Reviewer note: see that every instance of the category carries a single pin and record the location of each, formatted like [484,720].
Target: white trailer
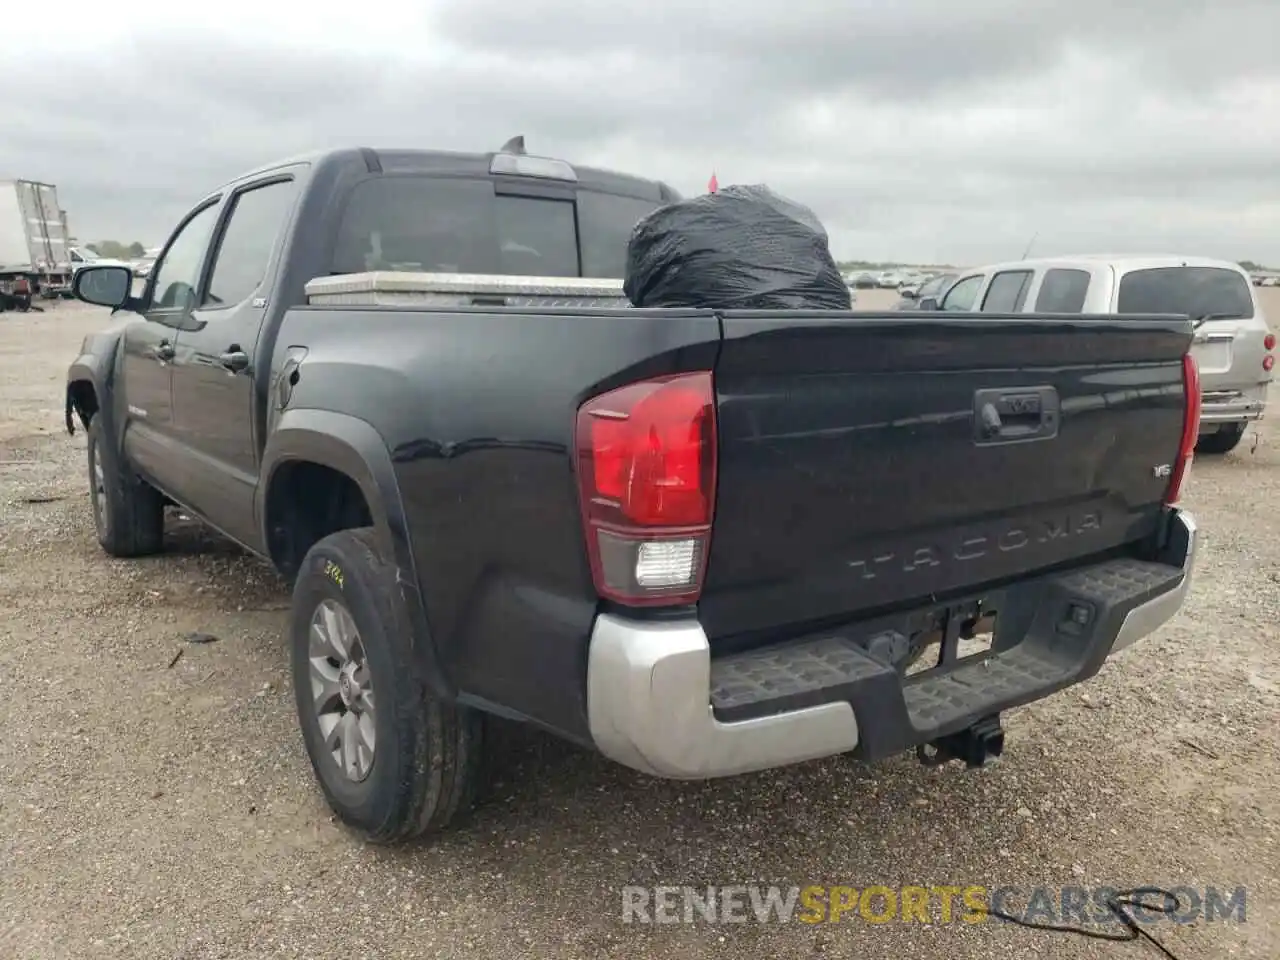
[34,251]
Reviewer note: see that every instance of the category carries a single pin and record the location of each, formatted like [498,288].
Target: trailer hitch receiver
[974,745]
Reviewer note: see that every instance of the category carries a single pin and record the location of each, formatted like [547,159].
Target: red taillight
[647,479]
[1190,428]
[1269,341]
[1268,361]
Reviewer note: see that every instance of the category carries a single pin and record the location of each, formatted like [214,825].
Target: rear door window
[1007,292]
[1194,291]
[1063,291]
[240,264]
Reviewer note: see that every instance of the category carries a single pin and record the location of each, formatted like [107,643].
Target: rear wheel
[1225,440]
[128,513]
[393,762]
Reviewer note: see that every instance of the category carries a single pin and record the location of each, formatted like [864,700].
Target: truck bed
[851,482]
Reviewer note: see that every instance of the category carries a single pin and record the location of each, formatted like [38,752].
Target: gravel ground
[158,809]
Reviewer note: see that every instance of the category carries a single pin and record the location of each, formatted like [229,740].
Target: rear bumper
[1232,405]
[658,702]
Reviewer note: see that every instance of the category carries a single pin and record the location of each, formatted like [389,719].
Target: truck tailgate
[873,462]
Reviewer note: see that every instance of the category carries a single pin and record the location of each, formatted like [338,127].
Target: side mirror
[103,286]
[928,303]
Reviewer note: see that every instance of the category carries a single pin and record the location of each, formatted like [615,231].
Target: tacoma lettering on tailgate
[974,546]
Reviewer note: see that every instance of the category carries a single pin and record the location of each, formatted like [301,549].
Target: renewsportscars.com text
[910,904]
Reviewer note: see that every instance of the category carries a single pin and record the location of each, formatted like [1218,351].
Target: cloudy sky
[920,130]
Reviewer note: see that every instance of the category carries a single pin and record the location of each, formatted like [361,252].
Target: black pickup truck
[701,542]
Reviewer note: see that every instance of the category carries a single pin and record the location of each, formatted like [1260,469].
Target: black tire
[426,756]
[128,513]
[1224,441]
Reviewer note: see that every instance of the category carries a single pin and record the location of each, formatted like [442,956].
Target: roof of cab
[447,161]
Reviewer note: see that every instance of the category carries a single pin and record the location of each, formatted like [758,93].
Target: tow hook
[974,745]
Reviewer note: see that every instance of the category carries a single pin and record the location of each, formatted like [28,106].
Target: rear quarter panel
[477,410]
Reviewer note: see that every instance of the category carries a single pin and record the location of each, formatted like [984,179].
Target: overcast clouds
[921,130]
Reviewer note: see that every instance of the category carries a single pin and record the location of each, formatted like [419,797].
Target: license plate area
[960,633]
[1213,355]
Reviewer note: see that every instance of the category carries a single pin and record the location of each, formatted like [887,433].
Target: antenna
[1030,243]
[514,145]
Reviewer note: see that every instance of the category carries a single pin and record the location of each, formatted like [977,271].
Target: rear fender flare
[353,447]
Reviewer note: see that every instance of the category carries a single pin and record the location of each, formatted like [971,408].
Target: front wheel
[128,513]
[393,762]
[1224,441]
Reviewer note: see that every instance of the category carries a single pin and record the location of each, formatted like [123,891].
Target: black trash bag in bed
[744,247]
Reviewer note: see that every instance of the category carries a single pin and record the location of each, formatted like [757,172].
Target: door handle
[236,361]
[162,351]
[1008,416]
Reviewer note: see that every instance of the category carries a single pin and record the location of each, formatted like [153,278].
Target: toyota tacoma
[702,542]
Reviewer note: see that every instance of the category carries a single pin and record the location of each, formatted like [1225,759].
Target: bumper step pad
[1077,617]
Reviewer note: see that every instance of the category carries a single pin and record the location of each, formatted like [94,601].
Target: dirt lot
[152,809]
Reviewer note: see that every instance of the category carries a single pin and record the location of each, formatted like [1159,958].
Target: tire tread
[442,740]
[1224,441]
[135,508]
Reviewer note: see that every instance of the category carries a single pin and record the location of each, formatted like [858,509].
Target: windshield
[457,225]
[1194,291]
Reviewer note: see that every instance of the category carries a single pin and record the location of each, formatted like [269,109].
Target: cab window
[1007,292]
[176,277]
[1194,291]
[1062,291]
[964,294]
[250,236]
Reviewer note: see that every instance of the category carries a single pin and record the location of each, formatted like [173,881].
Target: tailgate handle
[1014,415]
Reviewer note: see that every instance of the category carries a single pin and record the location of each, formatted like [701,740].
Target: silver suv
[1233,345]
